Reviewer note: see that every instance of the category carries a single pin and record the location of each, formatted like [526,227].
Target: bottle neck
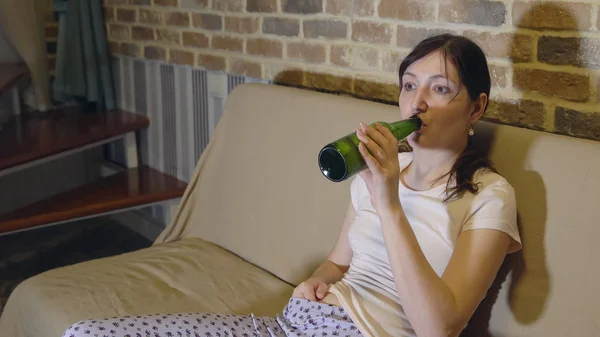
[401,129]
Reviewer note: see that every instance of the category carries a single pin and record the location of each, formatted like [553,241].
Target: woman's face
[431,89]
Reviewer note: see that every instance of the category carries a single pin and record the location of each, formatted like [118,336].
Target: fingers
[371,145]
[386,133]
[309,294]
[371,162]
[321,290]
[374,132]
[305,290]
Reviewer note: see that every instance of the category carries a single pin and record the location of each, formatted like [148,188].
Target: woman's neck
[427,167]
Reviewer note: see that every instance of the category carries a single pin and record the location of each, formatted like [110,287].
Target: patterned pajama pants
[300,318]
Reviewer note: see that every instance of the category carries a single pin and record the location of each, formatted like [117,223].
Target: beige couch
[258,217]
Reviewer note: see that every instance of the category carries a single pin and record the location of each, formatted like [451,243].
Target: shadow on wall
[524,274]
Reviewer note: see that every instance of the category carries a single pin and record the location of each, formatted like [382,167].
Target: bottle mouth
[417,120]
[332,164]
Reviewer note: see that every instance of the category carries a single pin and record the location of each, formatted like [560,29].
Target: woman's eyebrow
[433,77]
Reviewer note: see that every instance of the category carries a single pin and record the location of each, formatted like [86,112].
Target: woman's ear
[478,108]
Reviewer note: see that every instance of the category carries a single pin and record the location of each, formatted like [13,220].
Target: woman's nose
[419,103]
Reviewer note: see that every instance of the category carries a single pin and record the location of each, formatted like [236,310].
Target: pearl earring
[471,131]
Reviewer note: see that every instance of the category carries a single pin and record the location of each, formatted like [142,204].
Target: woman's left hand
[379,149]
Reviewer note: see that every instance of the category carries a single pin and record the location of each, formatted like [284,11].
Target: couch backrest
[257,191]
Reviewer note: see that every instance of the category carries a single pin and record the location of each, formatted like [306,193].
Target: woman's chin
[418,140]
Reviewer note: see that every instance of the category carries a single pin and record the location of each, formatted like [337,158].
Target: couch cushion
[190,275]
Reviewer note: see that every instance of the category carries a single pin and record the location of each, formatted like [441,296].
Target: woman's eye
[442,90]
[409,86]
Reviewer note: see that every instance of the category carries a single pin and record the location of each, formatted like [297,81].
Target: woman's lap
[300,318]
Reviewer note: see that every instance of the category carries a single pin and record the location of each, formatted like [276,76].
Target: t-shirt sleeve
[357,190]
[495,207]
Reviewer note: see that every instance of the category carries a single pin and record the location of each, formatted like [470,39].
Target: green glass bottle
[341,159]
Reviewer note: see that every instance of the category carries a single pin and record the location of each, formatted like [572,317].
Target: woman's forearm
[329,272]
[427,300]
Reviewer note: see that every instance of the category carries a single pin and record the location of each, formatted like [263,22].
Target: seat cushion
[190,275]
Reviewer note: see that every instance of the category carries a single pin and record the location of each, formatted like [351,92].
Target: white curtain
[23,22]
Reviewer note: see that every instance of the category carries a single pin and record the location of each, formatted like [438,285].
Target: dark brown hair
[471,64]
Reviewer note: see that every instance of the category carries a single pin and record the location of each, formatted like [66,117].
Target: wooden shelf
[10,74]
[128,189]
[27,138]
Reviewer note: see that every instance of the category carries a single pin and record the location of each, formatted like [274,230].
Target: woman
[424,235]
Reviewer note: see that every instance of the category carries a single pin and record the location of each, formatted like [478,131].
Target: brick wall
[544,56]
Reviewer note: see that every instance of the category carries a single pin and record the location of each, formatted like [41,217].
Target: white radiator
[184,106]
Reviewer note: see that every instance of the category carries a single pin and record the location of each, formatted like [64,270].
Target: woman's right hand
[311,289]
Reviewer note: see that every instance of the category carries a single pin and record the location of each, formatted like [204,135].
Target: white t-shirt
[367,291]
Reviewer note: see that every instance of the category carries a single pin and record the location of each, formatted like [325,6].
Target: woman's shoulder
[489,180]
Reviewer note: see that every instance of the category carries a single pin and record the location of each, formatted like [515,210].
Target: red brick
[194,4]
[310,52]
[109,14]
[207,21]
[181,57]
[552,15]
[302,6]
[409,37]
[119,32]
[245,68]
[149,16]
[410,10]
[179,19]
[329,82]
[229,5]
[281,26]
[333,29]
[211,62]
[569,86]
[168,36]
[364,58]
[268,6]
[242,25]
[169,3]
[126,15]
[486,13]
[376,90]
[517,47]
[577,123]
[350,8]
[155,53]
[131,49]
[372,32]
[139,33]
[282,74]
[576,51]
[195,39]
[498,75]
[527,113]
[227,43]
[391,60]
[264,47]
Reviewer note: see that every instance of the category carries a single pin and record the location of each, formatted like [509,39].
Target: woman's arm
[338,261]
[333,268]
[441,306]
